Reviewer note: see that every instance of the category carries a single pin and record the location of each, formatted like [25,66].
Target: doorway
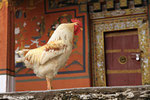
[122,58]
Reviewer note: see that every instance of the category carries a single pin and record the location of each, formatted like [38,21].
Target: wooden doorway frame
[99,26]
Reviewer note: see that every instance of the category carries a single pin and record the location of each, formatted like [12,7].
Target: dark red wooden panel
[123,79]
[122,43]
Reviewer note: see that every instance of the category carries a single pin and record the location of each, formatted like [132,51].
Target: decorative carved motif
[122,59]
[110,4]
[121,12]
[112,24]
[2,3]
[123,3]
[137,2]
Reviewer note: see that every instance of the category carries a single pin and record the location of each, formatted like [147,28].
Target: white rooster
[48,59]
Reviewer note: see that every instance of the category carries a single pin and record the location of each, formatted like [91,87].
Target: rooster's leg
[48,84]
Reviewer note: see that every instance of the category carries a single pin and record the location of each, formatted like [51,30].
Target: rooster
[49,58]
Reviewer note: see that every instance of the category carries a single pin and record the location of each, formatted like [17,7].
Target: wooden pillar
[6,46]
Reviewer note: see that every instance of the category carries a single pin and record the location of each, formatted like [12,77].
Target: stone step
[89,93]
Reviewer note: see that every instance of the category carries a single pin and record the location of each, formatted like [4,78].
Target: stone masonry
[90,93]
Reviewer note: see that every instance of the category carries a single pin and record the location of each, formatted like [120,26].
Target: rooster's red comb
[76,20]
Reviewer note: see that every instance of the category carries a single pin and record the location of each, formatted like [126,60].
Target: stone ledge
[91,93]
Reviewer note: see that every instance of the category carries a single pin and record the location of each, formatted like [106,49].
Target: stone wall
[91,93]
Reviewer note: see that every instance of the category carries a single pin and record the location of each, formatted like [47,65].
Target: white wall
[7,83]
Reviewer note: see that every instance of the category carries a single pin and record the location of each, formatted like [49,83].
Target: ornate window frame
[100,26]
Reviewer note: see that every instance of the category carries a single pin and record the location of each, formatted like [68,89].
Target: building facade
[112,49]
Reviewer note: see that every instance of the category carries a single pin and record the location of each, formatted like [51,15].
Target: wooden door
[122,65]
